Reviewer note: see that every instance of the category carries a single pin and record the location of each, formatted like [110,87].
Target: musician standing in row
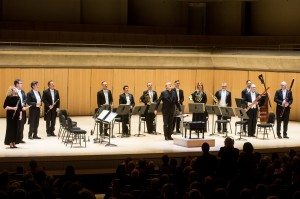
[18,85]
[199,96]
[170,99]
[244,94]
[149,96]
[180,97]
[104,97]
[250,100]
[34,100]
[13,107]
[284,99]
[126,98]
[224,98]
[51,102]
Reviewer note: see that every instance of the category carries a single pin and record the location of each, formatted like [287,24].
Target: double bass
[264,109]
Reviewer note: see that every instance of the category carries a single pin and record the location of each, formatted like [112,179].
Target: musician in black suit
[180,97]
[224,98]
[35,101]
[126,98]
[169,98]
[243,94]
[51,102]
[19,84]
[284,98]
[250,100]
[149,96]
[104,97]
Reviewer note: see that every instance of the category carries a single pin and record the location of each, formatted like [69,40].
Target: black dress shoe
[23,142]
[53,135]
[48,135]
[286,137]
[36,137]
[170,138]
[279,136]
[30,138]
[166,138]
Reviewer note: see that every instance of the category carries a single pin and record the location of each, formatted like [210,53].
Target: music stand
[227,112]
[239,102]
[214,110]
[159,109]
[177,115]
[139,110]
[108,120]
[123,110]
[100,118]
[151,110]
[241,113]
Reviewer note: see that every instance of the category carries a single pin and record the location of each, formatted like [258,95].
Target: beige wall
[78,87]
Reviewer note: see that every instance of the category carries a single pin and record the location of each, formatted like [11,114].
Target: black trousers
[252,121]
[34,120]
[285,118]
[50,121]
[150,121]
[176,123]
[21,124]
[168,123]
[125,121]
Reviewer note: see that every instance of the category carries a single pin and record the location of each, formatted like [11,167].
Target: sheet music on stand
[123,110]
[242,114]
[139,110]
[239,102]
[196,107]
[109,120]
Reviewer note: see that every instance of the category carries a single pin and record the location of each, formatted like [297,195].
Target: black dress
[12,122]
[200,97]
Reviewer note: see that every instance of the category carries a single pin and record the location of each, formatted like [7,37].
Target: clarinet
[53,105]
[17,109]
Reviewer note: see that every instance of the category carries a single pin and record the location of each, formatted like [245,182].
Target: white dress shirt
[223,98]
[127,99]
[37,96]
[106,96]
[52,95]
[21,97]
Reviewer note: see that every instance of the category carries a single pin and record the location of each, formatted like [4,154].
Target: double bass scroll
[264,109]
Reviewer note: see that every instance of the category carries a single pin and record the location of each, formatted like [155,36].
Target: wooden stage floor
[97,157]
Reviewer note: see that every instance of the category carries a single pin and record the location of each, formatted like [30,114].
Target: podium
[227,112]
[139,110]
[241,113]
[109,122]
[124,111]
[214,110]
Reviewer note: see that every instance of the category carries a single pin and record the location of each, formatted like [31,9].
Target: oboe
[16,109]
[52,105]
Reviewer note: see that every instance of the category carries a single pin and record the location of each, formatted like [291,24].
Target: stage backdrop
[78,87]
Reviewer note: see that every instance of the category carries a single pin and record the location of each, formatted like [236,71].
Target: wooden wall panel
[142,77]
[165,75]
[98,76]
[79,92]
[187,84]
[253,76]
[7,77]
[207,78]
[60,78]
[36,74]
[121,78]
[235,82]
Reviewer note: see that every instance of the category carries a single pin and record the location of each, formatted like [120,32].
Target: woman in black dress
[13,108]
[199,96]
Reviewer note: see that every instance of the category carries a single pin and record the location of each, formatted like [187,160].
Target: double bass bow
[264,109]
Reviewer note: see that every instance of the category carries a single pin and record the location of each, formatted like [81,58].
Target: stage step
[193,142]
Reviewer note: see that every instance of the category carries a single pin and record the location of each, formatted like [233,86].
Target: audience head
[248,147]
[194,194]
[228,142]
[205,147]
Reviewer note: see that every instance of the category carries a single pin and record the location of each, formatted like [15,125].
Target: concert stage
[98,158]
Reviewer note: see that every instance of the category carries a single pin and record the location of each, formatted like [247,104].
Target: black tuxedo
[218,95]
[252,113]
[278,98]
[125,118]
[244,105]
[50,115]
[23,120]
[149,116]
[176,121]
[169,99]
[34,114]
[101,98]
[100,101]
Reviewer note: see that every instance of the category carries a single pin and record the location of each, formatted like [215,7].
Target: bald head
[283,85]
[168,86]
